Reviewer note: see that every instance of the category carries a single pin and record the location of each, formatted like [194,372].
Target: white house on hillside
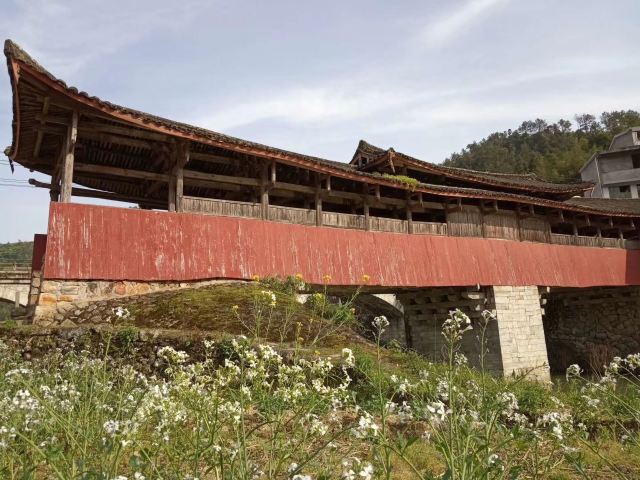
[616,172]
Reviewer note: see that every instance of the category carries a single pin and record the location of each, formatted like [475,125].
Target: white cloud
[304,105]
[447,26]
[68,35]
[380,102]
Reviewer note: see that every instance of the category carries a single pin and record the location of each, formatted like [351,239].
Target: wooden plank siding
[430,228]
[393,225]
[224,208]
[501,225]
[302,216]
[534,229]
[343,220]
[470,221]
[466,222]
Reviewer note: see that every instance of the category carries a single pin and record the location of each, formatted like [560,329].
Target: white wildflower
[367,472]
[573,371]
[380,323]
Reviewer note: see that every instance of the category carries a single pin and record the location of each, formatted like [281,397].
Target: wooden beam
[121,172]
[192,174]
[217,159]
[116,139]
[40,135]
[131,132]
[89,193]
[69,153]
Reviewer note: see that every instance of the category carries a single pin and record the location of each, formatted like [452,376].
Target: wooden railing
[430,228]
[225,208]
[494,225]
[302,216]
[581,241]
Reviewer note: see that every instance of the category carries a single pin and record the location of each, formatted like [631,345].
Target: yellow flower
[365,278]
[299,276]
[256,278]
[235,308]
[326,278]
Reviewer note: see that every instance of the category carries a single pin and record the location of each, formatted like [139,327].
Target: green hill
[554,151]
[15,253]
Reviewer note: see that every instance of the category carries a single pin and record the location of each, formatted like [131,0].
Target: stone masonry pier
[515,341]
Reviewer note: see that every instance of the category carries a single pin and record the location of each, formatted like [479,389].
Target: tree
[552,151]
[618,121]
[564,126]
[586,122]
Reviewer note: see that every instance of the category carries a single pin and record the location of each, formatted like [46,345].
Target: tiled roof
[15,55]
[529,182]
[629,206]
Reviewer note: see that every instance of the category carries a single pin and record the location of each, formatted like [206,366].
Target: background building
[616,172]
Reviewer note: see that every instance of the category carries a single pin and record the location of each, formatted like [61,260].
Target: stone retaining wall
[60,300]
[591,326]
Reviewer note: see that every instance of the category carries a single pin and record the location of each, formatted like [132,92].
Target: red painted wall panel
[106,243]
[39,248]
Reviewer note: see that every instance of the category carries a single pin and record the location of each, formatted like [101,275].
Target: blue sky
[426,77]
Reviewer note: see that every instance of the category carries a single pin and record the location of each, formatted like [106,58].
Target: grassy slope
[231,308]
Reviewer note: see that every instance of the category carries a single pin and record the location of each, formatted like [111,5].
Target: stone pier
[515,341]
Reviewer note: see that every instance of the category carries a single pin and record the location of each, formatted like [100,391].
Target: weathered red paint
[106,243]
[39,248]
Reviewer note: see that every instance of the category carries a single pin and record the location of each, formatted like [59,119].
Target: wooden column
[54,191]
[67,161]
[264,192]
[367,223]
[409,213]
[318,200]
[183,159]
[172,193]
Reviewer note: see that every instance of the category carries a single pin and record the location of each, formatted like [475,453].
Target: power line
[16,180]
[15,186]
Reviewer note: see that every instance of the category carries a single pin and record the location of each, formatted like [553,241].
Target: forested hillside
[554,151]
[15,253]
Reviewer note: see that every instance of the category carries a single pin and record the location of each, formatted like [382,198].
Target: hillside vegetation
[15,253]
[554,151]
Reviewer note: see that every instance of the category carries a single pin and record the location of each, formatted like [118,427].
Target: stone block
[47,299]
[49,287]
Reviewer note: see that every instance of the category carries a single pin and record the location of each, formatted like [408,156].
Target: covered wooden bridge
[213,206]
